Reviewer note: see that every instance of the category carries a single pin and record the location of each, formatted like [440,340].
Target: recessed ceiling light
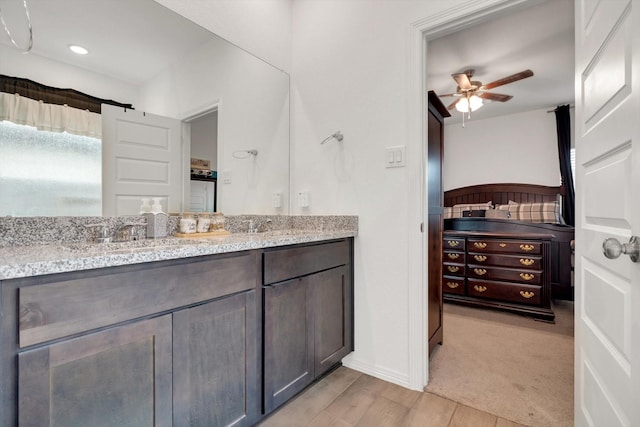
[78,49]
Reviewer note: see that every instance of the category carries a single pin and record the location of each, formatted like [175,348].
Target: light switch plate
[226,177]
[303,199]
[395,157]
[276,199]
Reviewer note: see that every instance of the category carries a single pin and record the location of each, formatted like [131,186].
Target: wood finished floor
[349,398]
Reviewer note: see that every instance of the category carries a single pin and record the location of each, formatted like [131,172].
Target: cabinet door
[288,357]
[215,376]
[117,377]
[331,297]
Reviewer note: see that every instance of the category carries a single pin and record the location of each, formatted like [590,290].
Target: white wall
[252,99]
[262,27]
[518,148]
[350,72]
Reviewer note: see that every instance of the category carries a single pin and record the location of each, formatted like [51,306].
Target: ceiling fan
[472,92]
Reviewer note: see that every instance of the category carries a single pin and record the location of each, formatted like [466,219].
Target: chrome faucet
[254,227]
[128,232]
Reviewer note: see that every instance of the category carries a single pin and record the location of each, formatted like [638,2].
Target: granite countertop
[36,260]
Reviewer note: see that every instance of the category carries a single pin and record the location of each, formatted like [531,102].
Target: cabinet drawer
[453,285]
[513,261]
[454,269]
[505,246]
[513,292]
[509,274]
[58,309]
[453,243]
[451,256]
[284,264]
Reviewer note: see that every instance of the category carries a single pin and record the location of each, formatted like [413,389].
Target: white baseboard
[401,379]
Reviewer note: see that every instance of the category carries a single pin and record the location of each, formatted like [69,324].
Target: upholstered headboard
[501,194]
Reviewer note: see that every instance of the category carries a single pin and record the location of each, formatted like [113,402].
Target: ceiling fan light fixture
[473,102]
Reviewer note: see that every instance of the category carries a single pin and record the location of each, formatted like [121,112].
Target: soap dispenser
[157,221]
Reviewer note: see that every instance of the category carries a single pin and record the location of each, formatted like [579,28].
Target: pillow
[543,212]
[456,211]
[497,213]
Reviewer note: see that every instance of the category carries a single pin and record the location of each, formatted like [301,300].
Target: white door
[141,157]
[202,196]
[607,360]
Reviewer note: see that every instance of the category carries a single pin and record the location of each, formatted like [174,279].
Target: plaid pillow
[547,212]
[456,210]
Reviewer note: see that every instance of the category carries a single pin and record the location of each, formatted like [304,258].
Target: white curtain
[49,117]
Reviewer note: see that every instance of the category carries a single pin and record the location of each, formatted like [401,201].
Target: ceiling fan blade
[463,80]
[509,79]
[494,96]
[449,94]
[452,105]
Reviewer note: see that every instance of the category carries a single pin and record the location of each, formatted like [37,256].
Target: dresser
[505,271]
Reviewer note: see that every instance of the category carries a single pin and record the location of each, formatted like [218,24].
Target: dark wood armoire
[435,142]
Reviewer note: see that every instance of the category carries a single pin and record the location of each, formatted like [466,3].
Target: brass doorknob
[612,248]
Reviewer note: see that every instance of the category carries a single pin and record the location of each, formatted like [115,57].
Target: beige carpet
[510,365]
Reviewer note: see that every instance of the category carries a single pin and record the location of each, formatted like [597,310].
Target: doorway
[202,131]
[433,32]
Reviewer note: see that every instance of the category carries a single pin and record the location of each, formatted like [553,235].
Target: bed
[517,210]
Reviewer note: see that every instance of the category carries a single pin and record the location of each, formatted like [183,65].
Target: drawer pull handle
[479,288]
[480,258]
[526,247]
[453,256]
[527,294]
[527,261]
[480,245]
[503,245]
[453,243]
[453,268]
[453,285]
[480,271]
[527,276]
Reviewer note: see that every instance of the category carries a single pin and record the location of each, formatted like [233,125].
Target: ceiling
[539,38]
[127,40]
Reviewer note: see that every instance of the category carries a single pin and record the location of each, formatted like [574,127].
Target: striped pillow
[543,212]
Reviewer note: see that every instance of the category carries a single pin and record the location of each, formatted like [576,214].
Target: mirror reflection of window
[49,173]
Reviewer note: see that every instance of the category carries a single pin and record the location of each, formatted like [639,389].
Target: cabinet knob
[453,256]
[526,248]
[527,276]
[479,288]
[527,294]
[480,258]
[480,245]
[480,271]
[453,268]
[453,285]
[453,243]
[527,261]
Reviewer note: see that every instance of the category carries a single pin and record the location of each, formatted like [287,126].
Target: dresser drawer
[456,243]
[513,292]
[453,256]
[508,274]
[454,269]
[453,285]
[514,261]
[71,306]
[505,246]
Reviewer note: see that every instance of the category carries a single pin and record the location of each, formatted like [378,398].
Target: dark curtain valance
[53,95]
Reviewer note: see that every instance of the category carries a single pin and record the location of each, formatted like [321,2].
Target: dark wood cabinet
[215,363]
[308,320]
[117,377]
[499,270]
[435,148]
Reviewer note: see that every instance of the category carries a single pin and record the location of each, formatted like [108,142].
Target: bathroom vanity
[204,333]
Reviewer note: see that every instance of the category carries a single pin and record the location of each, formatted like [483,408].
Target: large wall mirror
[233,106]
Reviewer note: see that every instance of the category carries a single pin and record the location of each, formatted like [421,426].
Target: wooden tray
[207,234]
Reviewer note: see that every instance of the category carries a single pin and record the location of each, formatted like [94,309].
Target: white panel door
[141,157]
[607,360]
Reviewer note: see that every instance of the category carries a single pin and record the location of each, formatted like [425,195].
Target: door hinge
[422,227]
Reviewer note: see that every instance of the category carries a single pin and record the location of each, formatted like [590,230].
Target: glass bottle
[188,223]
[217,221]
[204,222]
